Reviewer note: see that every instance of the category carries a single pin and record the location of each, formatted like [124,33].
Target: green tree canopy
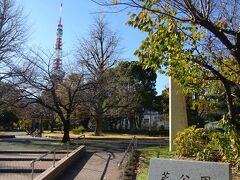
[134,91]
[195,42]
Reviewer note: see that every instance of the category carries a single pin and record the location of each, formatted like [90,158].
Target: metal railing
[76,141]
[54,154]
[67,143]
[132,145]
[40,158]
[78,138]
[82,137]
[106,166]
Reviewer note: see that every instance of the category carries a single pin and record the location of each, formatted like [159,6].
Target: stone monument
[177,111]
[171,169]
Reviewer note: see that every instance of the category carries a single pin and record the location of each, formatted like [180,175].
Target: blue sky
[78,15]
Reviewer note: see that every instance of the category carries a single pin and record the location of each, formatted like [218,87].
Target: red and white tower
[57,70]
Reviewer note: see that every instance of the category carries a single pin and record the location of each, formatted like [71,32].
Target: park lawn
[89,135]
[146,154]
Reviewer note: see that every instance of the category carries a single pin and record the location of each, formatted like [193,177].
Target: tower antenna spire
[60,16]
[57,70]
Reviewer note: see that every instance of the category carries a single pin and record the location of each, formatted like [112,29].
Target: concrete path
[94,162]
[93,166]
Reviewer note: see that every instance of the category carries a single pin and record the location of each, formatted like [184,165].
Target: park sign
[169,169]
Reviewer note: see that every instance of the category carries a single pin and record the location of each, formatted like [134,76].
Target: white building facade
[153,120]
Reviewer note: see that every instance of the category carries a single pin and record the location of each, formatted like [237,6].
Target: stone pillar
[177,111]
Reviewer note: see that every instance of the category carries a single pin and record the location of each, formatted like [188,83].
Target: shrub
[211,151]
[210,145]
[190,141]
[200,144]
[229,144]
[78,130]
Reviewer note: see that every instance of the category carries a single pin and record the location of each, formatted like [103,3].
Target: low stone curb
[7,136]
[60,166]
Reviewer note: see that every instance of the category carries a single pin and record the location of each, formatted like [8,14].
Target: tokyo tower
[57,73]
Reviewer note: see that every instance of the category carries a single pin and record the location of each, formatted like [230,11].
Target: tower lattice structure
[57,70]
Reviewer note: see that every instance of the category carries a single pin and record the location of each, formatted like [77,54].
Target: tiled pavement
[93,169]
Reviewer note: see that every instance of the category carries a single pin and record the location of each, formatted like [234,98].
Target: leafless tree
[97,54]
[13,35]
[36,85]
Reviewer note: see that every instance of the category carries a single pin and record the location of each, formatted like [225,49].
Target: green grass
[151,152]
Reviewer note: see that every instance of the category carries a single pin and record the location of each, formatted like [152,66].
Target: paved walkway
[90,167]
[93,166]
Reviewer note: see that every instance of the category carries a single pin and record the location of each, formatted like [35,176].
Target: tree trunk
[230,105]
[98,128]
[66,128]
[52,123]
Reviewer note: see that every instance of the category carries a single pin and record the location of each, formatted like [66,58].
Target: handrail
[84,138]
[41,157]
[68,142]
[106,166]
[133,144]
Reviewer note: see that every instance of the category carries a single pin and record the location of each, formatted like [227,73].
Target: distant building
[153,120]
[211,125]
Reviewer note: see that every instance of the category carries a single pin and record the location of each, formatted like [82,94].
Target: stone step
[31,152]
[24,166]
[29,157]
[21,170]
[25,159]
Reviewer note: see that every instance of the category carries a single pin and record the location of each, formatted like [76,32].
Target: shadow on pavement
[73,171]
